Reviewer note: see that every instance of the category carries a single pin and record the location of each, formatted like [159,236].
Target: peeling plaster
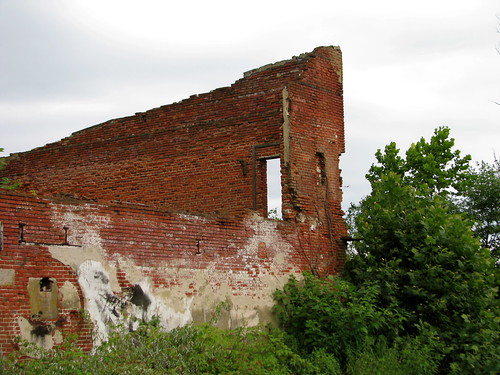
[105,308]
[170,315]
[267,233]
[30,331]
[76,256]
[85,229]
[102,305]
[250,305]
[133,271]
[195,294]
[70,297]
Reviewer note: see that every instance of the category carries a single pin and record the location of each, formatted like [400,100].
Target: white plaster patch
[173,309]
[193,218]
[181,301]
[102,305]
[314,223]
[75,256]
[266,232]
[83,230]
[105,308]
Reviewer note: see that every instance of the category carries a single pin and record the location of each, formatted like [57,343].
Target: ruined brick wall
[164,213]
[184,264]
[312,194]
[198,155]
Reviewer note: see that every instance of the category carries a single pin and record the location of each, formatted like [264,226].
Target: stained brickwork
[27,230]
[193,256]
[172,202]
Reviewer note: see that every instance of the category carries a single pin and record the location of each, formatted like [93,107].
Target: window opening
[21,232]
[66,235]
[45,284]
[254,168]
[273,175]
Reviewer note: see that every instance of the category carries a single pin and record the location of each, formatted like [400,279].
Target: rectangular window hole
[21,232]
[273,174]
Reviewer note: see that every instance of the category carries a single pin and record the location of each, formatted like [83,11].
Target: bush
[341,327]
[201,349]
[407,356]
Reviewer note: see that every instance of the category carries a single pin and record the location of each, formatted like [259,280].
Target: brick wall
[189,262]
[196,155]
[172,203]
[22,260]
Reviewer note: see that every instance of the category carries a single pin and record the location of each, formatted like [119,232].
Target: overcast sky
[409,67]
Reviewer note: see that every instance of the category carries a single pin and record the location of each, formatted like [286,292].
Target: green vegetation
[273,214]
[334,317]
[429,168]
[481,203]
[419,294]
[5,183]
[419,275]
[201,349]
[204,349]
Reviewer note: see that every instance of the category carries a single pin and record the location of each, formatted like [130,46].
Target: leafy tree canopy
[432,166]
[423,255]
[481,203]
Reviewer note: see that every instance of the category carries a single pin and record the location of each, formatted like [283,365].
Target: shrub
[339,326]
[192,349]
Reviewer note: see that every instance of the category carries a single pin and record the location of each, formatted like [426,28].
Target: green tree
[424,257]
[481,202]
[429,167]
